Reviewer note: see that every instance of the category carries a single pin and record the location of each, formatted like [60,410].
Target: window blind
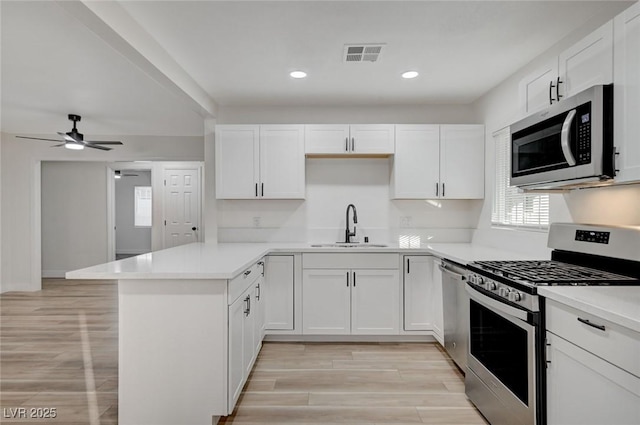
[511,207]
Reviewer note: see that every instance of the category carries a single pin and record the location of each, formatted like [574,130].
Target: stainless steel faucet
[348,234]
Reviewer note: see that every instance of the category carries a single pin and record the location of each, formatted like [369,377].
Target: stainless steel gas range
[506,365]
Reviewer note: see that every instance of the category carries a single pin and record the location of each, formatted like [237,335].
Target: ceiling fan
[75,140]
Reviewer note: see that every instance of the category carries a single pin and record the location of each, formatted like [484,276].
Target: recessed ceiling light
[298,74]
[410,74]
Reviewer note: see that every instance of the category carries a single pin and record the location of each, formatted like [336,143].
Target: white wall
[500,108]
[331,185]
[407,114]
[20,169]
[129,238]
[74,216]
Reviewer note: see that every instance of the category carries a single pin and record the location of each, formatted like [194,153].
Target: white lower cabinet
[337,300]
[326,301]
[592,369]
[346,301]
[418,293]
[583,389]
[241,344]
[246,317]
[279,292]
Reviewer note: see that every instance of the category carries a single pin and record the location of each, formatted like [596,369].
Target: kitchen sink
[348,245]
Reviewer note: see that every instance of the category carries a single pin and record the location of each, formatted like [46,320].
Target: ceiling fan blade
[102,148]
[38,138]
[58,146]
[67,137]
[100,142]
[130,175]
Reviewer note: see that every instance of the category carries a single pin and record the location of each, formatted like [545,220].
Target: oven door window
[502,347]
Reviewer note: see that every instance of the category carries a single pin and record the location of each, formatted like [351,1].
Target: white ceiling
[240,52]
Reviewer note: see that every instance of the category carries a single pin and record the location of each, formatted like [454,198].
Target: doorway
[133,212]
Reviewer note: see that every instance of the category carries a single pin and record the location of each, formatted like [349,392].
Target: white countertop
[227,260]
[617,304]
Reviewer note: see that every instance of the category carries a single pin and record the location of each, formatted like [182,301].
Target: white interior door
[181,207]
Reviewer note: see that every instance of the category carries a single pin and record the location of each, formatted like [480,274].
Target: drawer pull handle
[588,323]
[247,273]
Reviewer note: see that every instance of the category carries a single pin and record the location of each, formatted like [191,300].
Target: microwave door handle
[564,138]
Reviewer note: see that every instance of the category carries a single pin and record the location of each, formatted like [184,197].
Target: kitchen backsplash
[332,184]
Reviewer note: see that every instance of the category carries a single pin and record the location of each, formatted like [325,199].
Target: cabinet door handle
[246,306]
[558,95]
[353,144]
[593,325]
[551,86]
[261,189]
[258,292]
[346,144]
[437,188]
[347,279]
[354,279]
[443,190]
[408,265]
[256,189]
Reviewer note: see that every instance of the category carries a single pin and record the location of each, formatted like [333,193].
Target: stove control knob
[503,292]
[480,281]
[472,278]
[491,285]
[515,296]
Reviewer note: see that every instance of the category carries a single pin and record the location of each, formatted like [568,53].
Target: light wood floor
[43,363]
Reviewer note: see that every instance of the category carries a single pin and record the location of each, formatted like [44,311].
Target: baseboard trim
[133,251]
[53,274]
[350,338]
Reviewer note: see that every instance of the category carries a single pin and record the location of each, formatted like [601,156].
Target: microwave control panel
[583,127]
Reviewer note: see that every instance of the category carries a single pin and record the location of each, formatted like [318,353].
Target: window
[511,207]
[142,206]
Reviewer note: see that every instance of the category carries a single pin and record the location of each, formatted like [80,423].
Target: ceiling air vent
[362,52]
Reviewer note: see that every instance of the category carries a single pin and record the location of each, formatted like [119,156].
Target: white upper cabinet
[237,161]
[537,88]
[587,63]
[282,161]
[344,139]
[462,161]
[626,93]
[439,161]
[327,139]
[260,162]
[416,164]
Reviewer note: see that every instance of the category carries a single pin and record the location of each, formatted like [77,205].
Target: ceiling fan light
[74,146]
[298,74]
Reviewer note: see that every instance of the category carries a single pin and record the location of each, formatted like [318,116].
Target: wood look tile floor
[45,364]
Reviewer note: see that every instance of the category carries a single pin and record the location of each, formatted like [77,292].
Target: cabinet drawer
[615,344]
[240,283]
[350,261]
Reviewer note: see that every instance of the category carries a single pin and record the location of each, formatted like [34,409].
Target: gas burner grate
[551,272]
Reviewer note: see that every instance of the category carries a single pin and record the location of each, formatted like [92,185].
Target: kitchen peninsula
[177,322]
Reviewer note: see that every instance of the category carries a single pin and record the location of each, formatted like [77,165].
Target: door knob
[194,228]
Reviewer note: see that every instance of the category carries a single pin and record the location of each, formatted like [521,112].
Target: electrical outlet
[256,221]
[406,221]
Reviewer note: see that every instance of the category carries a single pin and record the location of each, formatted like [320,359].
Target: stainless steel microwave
[570,144]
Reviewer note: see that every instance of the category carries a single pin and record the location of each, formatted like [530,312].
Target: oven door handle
[496,305]
[564,138]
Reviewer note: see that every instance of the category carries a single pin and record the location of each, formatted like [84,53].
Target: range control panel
[592,236]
